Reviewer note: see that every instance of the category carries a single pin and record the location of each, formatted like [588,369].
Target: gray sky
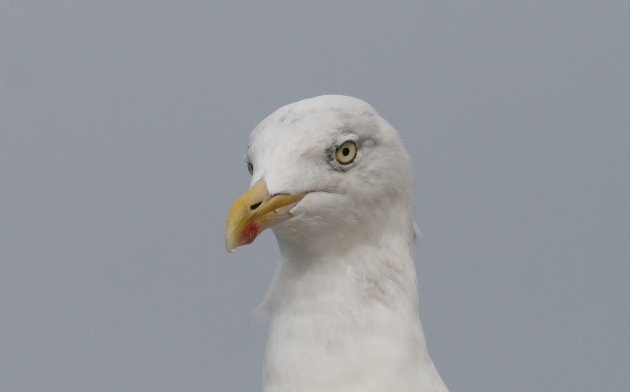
[122,132]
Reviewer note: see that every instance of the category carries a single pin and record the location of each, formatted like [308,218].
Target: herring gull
[333,180]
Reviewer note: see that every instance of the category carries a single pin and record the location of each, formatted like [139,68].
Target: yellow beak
[254,211]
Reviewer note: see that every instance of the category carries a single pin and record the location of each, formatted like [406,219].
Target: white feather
[343,304]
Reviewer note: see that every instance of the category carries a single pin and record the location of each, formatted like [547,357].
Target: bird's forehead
[312,122]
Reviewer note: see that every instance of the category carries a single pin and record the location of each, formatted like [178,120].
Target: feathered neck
[344,315]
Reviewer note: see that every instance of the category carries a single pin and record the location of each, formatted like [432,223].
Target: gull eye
[250,168]
[346,153]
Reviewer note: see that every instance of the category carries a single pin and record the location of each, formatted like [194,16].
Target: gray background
[123,127]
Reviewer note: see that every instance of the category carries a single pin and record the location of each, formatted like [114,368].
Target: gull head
[324,170]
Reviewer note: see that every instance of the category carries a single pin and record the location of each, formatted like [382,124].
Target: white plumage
[343,304]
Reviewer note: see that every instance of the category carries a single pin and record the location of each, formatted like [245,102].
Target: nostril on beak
[254,206]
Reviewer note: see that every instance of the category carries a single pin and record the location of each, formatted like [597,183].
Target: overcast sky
[122,132]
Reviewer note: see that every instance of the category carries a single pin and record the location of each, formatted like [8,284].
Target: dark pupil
[345,151]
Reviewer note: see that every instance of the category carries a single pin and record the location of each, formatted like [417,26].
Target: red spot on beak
[249,234]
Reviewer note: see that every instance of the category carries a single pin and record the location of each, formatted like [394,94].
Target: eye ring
[250,168]
[346,152]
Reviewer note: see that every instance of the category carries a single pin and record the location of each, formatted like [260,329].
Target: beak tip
[230,246]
